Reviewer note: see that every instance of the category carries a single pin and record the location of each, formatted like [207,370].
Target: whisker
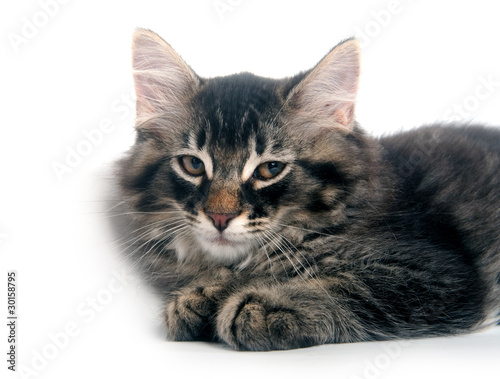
[289,250]
[262,242]
[291,246]
[308,274]
[182,229]
[270,239]
[143,213]
[132,240]
[280,248]
[163,234]
[368,248]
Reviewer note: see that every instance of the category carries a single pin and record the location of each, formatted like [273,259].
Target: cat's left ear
[329,90]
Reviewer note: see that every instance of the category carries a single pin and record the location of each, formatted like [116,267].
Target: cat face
[221,166]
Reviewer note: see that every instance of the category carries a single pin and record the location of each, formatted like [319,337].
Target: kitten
[268,219]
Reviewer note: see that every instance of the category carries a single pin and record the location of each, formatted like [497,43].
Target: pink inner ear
[340,117]
[344,115]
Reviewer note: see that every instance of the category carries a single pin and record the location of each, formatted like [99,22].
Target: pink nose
[221,220]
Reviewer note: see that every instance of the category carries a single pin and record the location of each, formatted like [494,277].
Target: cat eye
[192,165]
[268,170]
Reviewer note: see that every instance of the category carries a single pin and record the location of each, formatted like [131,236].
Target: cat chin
[219,250]
[226,252]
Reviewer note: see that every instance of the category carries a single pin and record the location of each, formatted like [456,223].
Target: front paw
[190,314]
[265,321]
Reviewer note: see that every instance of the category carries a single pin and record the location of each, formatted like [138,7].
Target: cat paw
[189,315]
[252,321]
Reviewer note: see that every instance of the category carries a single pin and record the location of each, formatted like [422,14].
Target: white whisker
[142,213]
[173,227]
[149,228]
[309,275]
[280,248]
[181,229]
[342,238]
[262,242]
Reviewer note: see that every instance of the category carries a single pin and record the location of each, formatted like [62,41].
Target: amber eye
[192,165]
[268,170]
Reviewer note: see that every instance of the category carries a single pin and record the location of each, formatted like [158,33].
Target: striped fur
[349,239]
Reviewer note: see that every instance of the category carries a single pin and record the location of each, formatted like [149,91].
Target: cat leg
[190,313]
[285,316]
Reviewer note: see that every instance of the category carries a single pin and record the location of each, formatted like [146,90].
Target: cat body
[268,219]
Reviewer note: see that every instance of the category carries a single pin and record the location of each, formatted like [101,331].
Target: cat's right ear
[163,81]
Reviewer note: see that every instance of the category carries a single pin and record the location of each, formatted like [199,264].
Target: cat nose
[221,220]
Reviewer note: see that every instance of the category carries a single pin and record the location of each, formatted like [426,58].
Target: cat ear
[329,89]
[163,81]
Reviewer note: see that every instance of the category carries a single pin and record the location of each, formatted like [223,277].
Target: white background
[65,71]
